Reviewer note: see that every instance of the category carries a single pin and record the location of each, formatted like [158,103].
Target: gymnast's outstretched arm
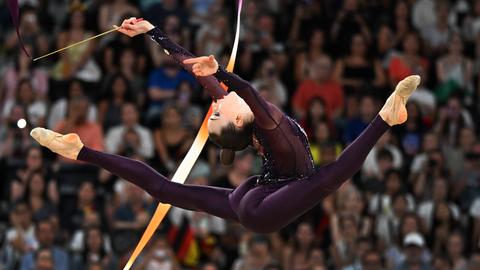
[267,115]
[133,27]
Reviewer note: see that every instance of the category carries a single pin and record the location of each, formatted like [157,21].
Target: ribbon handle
[14,10]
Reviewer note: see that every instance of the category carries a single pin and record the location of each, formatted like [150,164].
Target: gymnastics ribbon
[14,10]
[186,166]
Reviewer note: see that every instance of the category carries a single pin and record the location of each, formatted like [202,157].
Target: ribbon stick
[75,44]
[115,28]
[14,10]
[185,167]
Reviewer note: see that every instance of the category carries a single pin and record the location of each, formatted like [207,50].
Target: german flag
[182,239]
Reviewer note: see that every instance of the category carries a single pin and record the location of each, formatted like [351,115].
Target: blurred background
[329,64]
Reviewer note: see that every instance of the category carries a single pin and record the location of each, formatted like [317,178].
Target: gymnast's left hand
[133,26]
[203,66]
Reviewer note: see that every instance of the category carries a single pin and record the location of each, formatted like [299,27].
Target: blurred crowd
[330,64]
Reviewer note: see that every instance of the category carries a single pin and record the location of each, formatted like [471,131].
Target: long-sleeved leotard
[286,150]
[259,204]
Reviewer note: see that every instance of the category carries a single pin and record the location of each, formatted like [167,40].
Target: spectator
[316,113]
[413,249]
[59,109]
[455,71]
[321,141]
[86,206]
[20,237]
[132,214]
[382,202]
[440,195]
[409,62]
[319,84]
[94,252]
[113,12]
[411,133]
[34,163]
[42,196]
[433,169]
[172,139]
[24,69]
[117,94]
[372,260]
[438,35]
[26,97]
[77,62]
[32,33]
[314,49]
[370,167]
[268,75]
[456,250]
[429,144]
[410,223]
[451,119]
[343,249]
[162,84]
[357,72]
[458,154]
[76,122]
[213,37]
[388,224]
[358,122]
[15,141]
[119,141]
[443,223]
[159,256]
[44,260]
[44,233]
[298,254]
[422,15]
[258,255]
[132,65]
[242,167]
[441,262]
[348,22]
[385,47]
[474,262]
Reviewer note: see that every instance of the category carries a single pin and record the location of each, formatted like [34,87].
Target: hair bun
[227,156]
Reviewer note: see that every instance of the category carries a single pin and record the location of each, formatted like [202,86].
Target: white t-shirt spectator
[370,166]
[58,113]
[423,15]
[425,211]
[115,137]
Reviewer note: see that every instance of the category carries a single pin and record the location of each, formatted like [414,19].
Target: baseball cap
[414,239]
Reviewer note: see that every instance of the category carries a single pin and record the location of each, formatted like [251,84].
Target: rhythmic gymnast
[289,184]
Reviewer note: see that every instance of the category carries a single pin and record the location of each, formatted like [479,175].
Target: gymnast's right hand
[203,66]
[133,26]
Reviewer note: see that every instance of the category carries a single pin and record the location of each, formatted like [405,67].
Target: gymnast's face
[230,109]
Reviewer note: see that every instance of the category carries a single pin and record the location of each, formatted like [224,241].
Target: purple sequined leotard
[262,203]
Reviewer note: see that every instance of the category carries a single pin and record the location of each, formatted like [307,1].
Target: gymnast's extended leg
[269,213]
[208,199]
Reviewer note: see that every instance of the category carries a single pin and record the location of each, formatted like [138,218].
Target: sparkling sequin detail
[300,159]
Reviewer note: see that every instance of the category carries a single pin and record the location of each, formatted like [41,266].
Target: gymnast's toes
[41,135]
[406,87]
[65,145]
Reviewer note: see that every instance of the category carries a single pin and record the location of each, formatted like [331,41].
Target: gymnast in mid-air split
[289,184]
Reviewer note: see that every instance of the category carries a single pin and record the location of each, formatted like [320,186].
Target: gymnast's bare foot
[394,112]
[65,145]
